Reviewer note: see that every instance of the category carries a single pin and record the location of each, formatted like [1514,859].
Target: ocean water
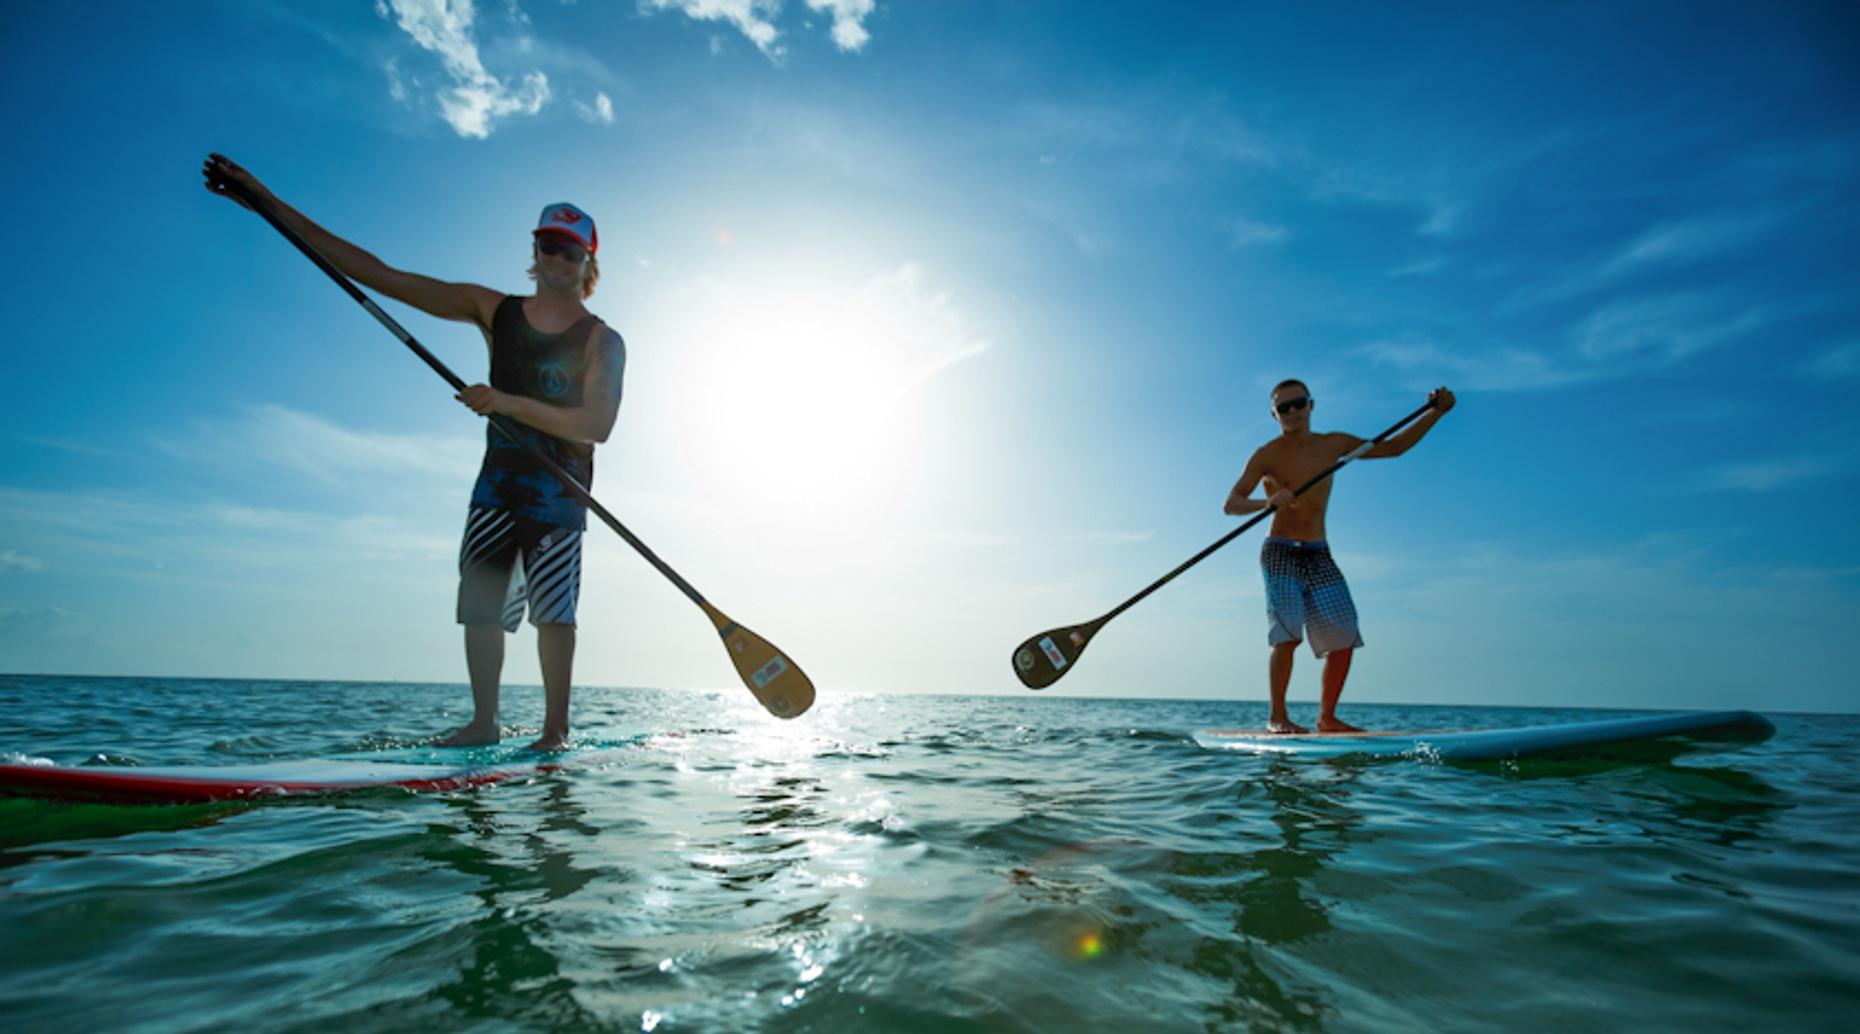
[1024,863]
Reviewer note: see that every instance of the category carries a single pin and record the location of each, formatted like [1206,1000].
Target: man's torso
[1290,462]
[552,369]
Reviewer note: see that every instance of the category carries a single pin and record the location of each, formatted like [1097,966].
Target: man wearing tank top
[556,374]
[1306,597]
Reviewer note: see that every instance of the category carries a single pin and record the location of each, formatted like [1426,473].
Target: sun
[804,397]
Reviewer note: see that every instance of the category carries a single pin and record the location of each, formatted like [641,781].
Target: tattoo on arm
[609,363]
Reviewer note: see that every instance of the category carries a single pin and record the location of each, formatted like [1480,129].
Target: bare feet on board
[1336,725]
[551,742]
[1285,726]
[469,736]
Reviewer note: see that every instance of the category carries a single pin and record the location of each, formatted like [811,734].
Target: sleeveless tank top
[553,370]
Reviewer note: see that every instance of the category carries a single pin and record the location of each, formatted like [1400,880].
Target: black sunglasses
[1292,405]
[554,244]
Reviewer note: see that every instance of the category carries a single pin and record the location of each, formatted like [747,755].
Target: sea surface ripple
[917,863]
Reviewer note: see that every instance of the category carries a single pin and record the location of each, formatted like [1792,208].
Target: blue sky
[951,322]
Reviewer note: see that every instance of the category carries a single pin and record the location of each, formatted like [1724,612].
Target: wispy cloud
[12,560]
[1443,208]
[475,99]
[1669,245]
[1105,538]
[1667,327]
[600,112]
[940,337]
[1426,267]
[1692,240]
[1618,340]
[1160,130]
[309,446]
[1246,233]
[37,624]
[1840,363]
[1767,475]
[1487,369]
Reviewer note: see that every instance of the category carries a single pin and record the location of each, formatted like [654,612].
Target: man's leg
[555,649]
[1279,677]
[1336,670]
[484,659]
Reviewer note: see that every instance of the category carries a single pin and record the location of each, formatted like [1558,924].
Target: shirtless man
[1305,593]
[556,373]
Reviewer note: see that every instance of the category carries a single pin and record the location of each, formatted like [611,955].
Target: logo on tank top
[552,379]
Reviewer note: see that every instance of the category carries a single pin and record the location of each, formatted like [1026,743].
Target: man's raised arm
[1443,401]
[466,303]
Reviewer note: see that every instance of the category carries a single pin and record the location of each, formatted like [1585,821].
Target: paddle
[773,678]
[1042,659]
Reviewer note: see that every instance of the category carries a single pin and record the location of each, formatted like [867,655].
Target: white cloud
[753,18]
[476,99]
[600,112]
[848,20]
[1840,363]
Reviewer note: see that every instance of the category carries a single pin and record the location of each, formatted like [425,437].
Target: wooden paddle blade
[1040,661]
[775,680]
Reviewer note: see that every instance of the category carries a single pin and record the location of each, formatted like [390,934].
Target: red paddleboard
[192,784]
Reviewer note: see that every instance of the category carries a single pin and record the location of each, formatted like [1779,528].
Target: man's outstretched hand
[222,172]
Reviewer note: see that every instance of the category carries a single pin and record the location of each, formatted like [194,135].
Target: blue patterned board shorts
[1306,598]
[507,561]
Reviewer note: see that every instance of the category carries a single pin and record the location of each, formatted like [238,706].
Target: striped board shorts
[1306,598]
[507,563]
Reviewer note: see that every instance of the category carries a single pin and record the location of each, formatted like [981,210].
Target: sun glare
[806,396]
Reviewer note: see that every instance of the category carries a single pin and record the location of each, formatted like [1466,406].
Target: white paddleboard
[1501,744]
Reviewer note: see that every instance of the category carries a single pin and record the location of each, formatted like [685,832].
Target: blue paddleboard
[1502,744]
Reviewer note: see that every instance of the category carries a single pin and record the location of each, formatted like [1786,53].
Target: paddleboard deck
[1502,744]
[194,784]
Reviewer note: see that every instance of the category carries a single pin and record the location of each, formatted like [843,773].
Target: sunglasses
[1292,405]
[555,244]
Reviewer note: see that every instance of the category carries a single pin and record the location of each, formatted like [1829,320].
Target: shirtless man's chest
[1290,463]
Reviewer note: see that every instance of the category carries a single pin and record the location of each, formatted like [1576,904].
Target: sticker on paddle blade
[769,672]
[1025,659]
[1051,649]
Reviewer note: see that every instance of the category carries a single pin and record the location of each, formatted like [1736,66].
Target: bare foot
[1284,727]
[1336,725]
[551,742]
[469,736]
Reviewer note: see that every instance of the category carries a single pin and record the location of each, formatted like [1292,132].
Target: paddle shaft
[1234,534]
[575,487]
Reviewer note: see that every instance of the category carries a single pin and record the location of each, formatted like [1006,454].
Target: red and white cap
[569,221]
